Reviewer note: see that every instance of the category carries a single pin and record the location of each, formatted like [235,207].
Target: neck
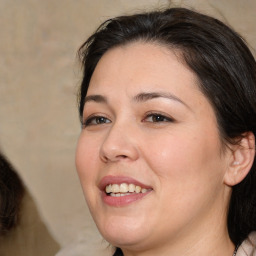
[221,245]
[226,248]
[208,236]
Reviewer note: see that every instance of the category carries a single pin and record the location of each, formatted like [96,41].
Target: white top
[248,247]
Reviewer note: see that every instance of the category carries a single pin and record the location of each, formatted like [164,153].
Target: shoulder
[248,247]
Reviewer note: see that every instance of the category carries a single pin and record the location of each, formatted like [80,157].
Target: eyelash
[97,119]
[161,118]
[156,118]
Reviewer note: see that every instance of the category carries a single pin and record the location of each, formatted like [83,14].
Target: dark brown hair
[226,72]
[11,193]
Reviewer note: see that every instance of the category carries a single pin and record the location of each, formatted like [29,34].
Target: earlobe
[243,155]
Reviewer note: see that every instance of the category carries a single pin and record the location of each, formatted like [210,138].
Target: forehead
[140,68]
[141,65]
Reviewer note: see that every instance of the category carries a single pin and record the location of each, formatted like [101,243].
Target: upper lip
[119,180]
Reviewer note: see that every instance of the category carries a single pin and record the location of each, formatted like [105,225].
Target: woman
[22,232]
[11,194]
[167,148]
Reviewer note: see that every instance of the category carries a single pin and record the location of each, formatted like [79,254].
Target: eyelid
[157,113]
[92,117]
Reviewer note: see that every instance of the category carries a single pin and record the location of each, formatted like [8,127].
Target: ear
[241,161]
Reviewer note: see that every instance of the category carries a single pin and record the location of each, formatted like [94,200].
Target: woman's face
[147,127]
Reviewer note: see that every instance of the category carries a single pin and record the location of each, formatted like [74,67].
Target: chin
[123,231]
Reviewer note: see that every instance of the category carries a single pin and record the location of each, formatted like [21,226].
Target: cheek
[86,162]
[86,165]
[186,159]
[189,171]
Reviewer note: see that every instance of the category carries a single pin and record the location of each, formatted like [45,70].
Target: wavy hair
[11,193]
[226,71]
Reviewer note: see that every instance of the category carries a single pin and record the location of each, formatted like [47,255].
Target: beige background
[39,76]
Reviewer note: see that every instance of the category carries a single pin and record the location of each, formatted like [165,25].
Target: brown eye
[96,120]
[156,118]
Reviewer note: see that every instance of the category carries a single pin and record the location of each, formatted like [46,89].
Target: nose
[119,144]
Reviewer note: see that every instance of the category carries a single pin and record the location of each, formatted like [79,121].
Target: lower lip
[122,200]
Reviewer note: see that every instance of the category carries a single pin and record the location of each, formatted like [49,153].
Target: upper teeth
[124,188]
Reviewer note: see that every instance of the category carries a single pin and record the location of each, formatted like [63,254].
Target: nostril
[116,158]
[115,148]
[122,156]
[105,159]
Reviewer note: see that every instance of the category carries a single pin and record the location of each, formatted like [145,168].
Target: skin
[177,151]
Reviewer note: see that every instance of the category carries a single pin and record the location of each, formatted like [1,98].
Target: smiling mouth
[124,189]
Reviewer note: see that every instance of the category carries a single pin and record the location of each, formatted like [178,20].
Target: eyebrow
[96,98]
[142,97]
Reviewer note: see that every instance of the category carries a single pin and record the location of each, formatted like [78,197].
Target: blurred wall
[39,76]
